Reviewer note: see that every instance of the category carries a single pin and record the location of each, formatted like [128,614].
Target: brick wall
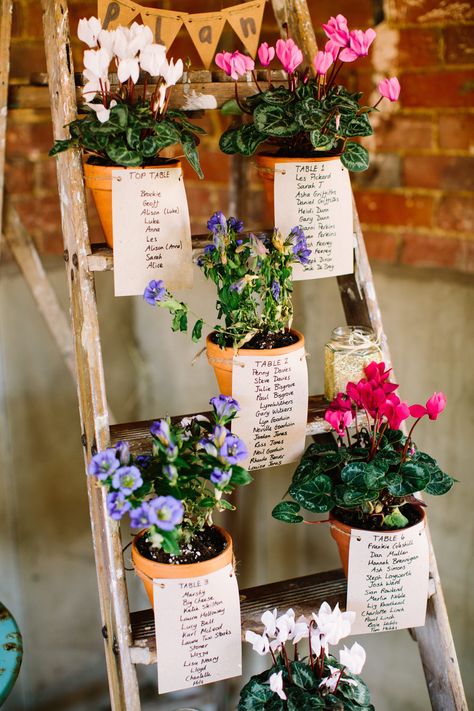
[415,202]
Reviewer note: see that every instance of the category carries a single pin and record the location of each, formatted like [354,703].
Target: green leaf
[197,330]
[183,121]
[302,675]
[359,694]
[322,141]
[254,695]
[331,460]
[231,108]
[223,504]
[440,483]
[118,152]
[413,478]
[309,114]
[307,468]
[349,497]
[315,495]
[170,542]
[133,136]
[228,141]
[301,700]
[395,519]
[166,134]
[287,511]
[362,475]
[190,151]
[60,146]
[240,477]
[355,157]
[150,146]
[207,502]
[317,448]
[278,97]
[248,139]
[357,126]
[275,121]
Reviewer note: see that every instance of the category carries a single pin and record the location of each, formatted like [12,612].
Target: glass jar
[350,349]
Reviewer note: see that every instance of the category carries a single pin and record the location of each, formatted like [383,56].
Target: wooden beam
[6,8]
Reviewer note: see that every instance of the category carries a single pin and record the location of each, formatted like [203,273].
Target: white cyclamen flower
[140,35]
[353,658]
[107,40]
[152,57]
[333,624]
[159,104]
[300,630]
[88,31]
[128,68]
[336,678]
[269,621]
[103,114]
[260,643]
[97,62]
[171,72]
[276,684]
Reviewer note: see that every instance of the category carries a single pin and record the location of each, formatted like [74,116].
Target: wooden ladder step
[138,433]
[304,595]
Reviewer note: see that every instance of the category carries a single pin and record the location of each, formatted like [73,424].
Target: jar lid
[353,335]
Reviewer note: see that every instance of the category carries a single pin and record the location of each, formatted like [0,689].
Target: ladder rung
[138,433]
[304,595]
[102,257]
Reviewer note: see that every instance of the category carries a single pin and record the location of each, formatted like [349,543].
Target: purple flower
[123,450]
[161,430]
[300,248]
[103,464]
[117,505]
[143,461]
[142,516]
[168,512]
[209,248]
[232,450]
[127,479]
[239,242]
[208,447]
[239,285]
[297,232]
[217,223]
[171,451]
[155,291]
[224,406]
[220,477]
[233,223]
[276,290]
[170,472]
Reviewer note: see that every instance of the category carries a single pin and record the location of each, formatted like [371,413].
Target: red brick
[459,44]
[382,246]
[421,250]
[465,257]
[443,89]
[419,48]
[428,12]
[215,166]
[456,131]
[439,172]
[385,208]
[399,132]
[40,215]
[456,213]
[19,177]
[29,140]
[45,178]
[203,202]
[359,14]
[26,57]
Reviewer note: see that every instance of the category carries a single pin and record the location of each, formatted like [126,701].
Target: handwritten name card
[198,634]
[273,396]
[152,233]
[317,197]
[388,579]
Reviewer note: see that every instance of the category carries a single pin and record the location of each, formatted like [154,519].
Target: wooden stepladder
[129,638]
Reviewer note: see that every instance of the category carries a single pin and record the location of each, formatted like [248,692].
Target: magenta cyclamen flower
[434,407]
[395,411]
[390,88]
[265,54]
[234,64]
[322,62]
[337,31]
[339,419]
[359,43]
[289,54]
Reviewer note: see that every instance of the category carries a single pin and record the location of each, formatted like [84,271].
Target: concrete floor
[48,576]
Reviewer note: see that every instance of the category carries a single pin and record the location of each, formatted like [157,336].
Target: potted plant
[317,681]
[367,479]
[310,117]
[172,493]
[121,126]
[253,278]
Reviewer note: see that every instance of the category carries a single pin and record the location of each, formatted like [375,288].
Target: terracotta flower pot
[148,570]
[341,532]
[98,178]
[221,358]
[266,170]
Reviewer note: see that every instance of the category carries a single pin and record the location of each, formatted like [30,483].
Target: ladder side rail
[90,375]
[6,9]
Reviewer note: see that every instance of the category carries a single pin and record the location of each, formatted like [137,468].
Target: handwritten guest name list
[388,579]
[317,197]
[198,634]
[152,233]
[273,396]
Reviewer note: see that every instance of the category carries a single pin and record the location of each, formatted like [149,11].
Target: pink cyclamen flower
[289,54]
[434,407]
[390,88]
[322,62]
[265,54]
[337,31]
[339,419]
[395,411]
[234,64]
[359,43]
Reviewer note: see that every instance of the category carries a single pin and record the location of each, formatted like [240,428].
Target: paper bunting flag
[205,29]
[246,21]
[114,13]
[164,24]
